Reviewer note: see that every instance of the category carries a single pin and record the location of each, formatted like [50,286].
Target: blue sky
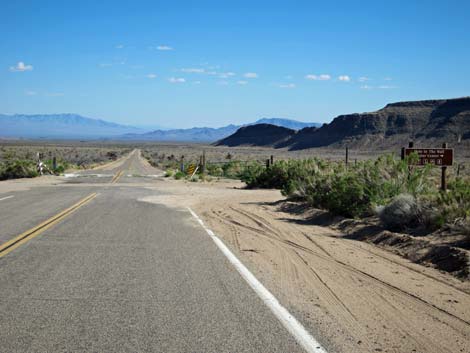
[211,63]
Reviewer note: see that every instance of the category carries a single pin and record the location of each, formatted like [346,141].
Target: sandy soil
[26,184]
[354,296]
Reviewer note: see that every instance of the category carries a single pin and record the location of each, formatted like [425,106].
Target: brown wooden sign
[442,157]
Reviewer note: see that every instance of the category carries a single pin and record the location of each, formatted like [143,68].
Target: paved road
[116,274]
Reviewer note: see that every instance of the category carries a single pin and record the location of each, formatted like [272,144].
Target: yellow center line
[117,176]
[35,231]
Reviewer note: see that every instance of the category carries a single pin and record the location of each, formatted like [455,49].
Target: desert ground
[353,295]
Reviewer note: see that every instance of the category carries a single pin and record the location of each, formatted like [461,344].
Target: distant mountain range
[207,134]
[64,126]
[425,122]
[60,126]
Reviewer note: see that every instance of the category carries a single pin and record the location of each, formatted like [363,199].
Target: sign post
[441,157]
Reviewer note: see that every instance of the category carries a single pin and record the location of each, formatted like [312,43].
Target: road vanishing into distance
[87,266]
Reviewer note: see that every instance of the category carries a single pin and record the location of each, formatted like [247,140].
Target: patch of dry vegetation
[18,159]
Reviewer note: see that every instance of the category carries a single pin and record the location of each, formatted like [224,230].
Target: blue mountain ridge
[73,126]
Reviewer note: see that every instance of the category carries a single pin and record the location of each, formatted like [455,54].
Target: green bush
[251,173]
[169,173]
[351,192]
[179,175]
[453,206]
[18,169]
[232,169]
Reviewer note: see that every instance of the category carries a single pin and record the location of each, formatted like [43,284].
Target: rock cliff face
[425,122]
[258,135]
[397,123]
[434,120]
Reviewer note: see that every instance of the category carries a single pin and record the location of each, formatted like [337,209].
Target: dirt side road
[352,295]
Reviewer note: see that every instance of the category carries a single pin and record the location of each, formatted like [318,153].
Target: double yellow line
[34,232]
[117,176]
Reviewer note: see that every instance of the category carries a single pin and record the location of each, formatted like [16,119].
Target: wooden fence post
[410,145]
[347,156]
[443,173]
[271,160]
[203,166]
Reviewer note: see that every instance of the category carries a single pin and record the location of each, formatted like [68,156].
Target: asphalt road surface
[105,272]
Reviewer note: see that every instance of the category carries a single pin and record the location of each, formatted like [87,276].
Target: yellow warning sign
[191,169]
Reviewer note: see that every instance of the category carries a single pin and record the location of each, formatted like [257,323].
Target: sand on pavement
[353,296]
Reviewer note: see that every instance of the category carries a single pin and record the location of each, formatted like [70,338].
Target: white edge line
[8,197]
[296,329]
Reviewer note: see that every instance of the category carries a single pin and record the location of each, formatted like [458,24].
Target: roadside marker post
[203,162]
[182,164]
[347,156]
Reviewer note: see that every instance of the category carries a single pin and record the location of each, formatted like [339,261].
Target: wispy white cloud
[54,94]
[119,46]
[366,87]
[226,74]
[196,82]
[30,93]
[344,78]
[105,64]
[386,87]
[21,67]
[251,75]
[322,77]
[287,85]
[152,76]
[164,47]
[363,79]
[223,83]
[177,80]
[193,70]
[242,82]
[388,79]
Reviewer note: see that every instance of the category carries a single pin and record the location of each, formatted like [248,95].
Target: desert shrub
[169,173]
[250,174]
[232,169]
[112,155]
[214,170]
[351,192]
[179,175]
[61,166]
[18,169]
[453,206]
